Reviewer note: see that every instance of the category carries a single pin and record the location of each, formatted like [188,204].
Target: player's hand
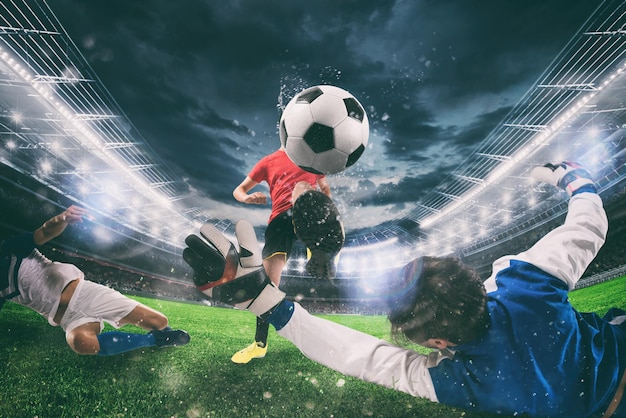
[566,175]
[256,198]
[73,214]
[234,276]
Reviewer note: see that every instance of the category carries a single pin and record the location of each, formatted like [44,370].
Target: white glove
[230,275]
[566,175]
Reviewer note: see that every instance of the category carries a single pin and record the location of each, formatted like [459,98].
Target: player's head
[449,303]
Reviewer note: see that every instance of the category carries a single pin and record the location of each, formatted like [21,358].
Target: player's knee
[83,342]
[154,320]
[299,188]
[146,318]
[160,321]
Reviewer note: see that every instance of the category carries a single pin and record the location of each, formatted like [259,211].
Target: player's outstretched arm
[357,354]
[567,251]
[55,226]
[235,276]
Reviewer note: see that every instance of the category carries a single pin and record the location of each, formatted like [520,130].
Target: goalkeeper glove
[229,275]
[567,175]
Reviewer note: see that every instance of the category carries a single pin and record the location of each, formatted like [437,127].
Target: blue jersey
[539,357]
[569,362]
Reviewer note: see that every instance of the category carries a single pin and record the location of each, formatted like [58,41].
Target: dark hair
[449,301]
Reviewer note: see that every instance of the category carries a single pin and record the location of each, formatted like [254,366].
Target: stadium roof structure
[568,99]
[60,125]
[576,110]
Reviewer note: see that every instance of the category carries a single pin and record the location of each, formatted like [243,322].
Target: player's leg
[273,266]
[93,303]
[299,188]
[279,238]
[320,230]
[155,322]
[86,339]
[317,223]
[145,317]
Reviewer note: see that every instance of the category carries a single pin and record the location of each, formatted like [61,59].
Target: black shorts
[279,236]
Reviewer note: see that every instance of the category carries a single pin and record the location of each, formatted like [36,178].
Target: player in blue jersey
[59,292]
[512,345]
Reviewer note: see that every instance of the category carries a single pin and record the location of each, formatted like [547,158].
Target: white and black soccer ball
[324,129]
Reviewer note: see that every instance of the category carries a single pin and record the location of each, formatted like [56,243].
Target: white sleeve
[360,355]
[566,251]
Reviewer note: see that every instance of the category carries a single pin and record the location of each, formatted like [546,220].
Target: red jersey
[281,175]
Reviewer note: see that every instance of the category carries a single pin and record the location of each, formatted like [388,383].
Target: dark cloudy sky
[203,81]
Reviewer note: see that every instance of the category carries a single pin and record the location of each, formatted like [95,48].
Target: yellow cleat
[254,350]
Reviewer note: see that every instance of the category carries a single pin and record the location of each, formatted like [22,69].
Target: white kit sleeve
[566,251]
[360,355]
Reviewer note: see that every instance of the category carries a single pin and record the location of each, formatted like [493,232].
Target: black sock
[262,328]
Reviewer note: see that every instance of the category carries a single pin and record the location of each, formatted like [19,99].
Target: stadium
[69,142]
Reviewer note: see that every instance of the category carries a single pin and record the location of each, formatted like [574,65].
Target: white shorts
[93,302]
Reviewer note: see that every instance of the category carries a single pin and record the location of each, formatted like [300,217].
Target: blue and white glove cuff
[575,182]
[569,176]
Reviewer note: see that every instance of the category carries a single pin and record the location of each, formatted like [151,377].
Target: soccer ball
[324,129]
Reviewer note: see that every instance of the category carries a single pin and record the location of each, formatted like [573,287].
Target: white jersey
[41,281]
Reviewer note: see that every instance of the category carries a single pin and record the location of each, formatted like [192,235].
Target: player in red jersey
[286,182]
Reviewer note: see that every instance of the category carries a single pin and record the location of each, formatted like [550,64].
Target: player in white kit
[60,293]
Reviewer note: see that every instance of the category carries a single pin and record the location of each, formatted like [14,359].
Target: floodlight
[46,166]
[102,233]
[17,117]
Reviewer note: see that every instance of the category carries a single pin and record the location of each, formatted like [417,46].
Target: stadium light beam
[540,139]
[85,135]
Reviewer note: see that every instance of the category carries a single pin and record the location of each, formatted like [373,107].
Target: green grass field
[42,377]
